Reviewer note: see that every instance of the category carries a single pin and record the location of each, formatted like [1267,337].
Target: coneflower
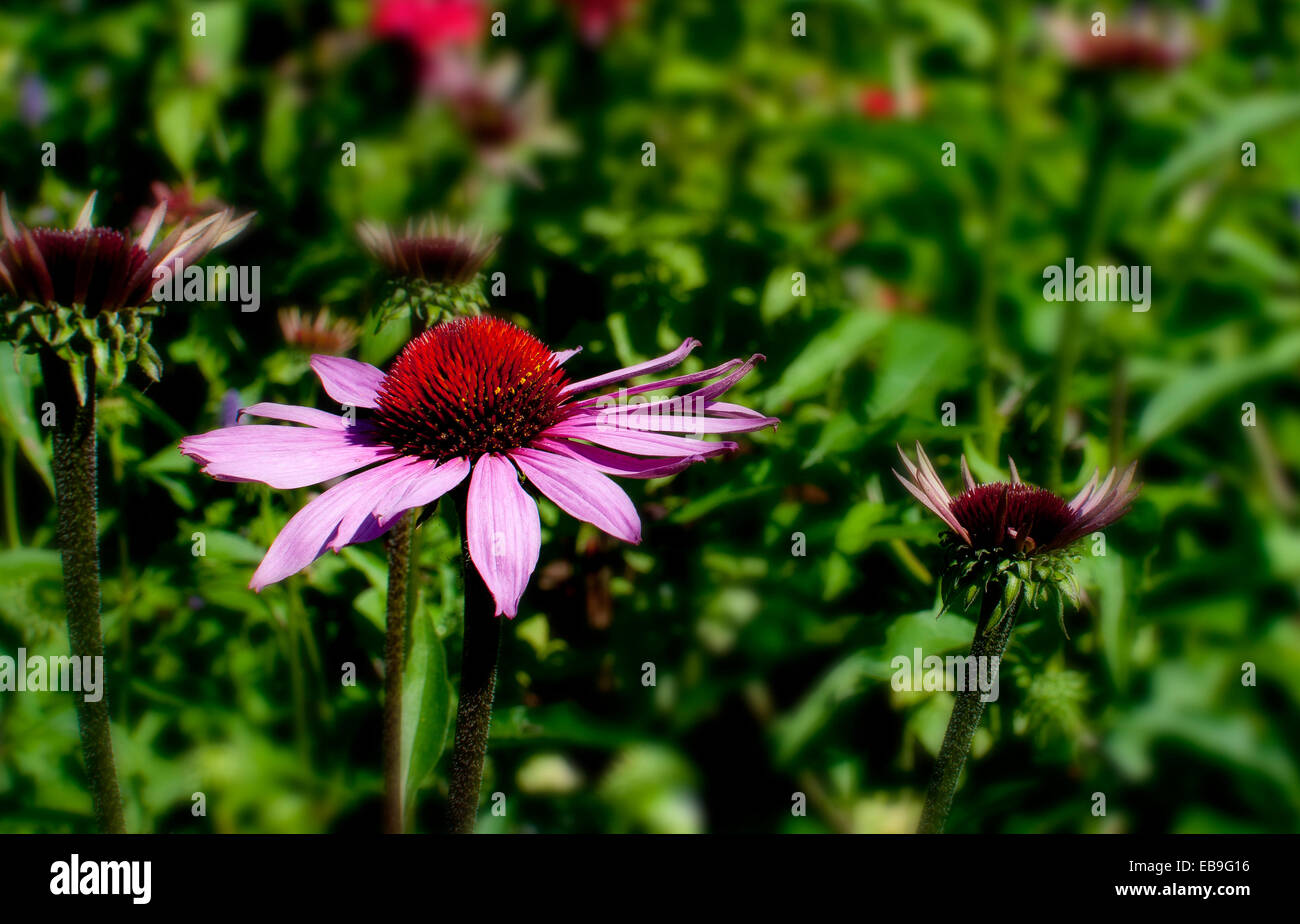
[320,333]
[433,267]
[1007,542]
[77,297]
[471,407]
[433,270]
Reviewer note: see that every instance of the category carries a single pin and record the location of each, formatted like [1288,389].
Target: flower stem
[398,544]
[1085,239]
[478,678]
[78,530]
[966,715]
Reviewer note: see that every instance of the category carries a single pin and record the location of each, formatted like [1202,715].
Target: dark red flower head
[99,268]
[1014,517]
[467,387]
[431,250]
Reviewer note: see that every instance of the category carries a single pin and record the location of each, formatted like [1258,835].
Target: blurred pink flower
[440,32]
[597,19]
[429,25]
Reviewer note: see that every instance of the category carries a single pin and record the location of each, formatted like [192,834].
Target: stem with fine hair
[966,713]
[78,531]
[398,544]
[478,678]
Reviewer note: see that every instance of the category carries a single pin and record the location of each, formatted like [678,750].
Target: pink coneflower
[1013,517]
[429,25]
[432,250]
[1142,42]
[474,398]
[442,34]
[597,19]
[319,334]
[99,268]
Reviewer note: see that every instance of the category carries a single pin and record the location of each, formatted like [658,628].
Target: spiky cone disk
[87,292]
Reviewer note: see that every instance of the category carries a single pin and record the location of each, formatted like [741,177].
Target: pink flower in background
[597,19]
[440,32]
[429,25]
[479,399]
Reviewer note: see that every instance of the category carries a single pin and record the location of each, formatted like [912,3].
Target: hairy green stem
[398,544]
[966,715]
[78,531]
[478,678]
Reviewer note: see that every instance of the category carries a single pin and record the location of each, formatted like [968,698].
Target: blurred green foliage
[776,155]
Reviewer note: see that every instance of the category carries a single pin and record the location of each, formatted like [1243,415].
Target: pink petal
[295,414]
[348,381]
[505,533]
[615,463]
[581,492]
[283,457]
[633,441]
[317,526]
[692,378]
[427,483]
[667,361]
[563,356]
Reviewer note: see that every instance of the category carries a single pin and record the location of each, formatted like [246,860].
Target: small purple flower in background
[229,416]
[33,101]
[480,399]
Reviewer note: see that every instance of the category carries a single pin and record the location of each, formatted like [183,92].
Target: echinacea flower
[475,398]
[508,121]
[597,19]
[1145,41]
[433,268]
[430,250]
[319,334]
[1013,531]
[442,33]
[80,291]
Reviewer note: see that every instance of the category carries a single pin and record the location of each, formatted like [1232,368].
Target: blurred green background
[775,154]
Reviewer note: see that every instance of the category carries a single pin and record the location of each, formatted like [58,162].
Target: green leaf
[426,706]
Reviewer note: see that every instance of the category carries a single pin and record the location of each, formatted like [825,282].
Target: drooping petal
[428,482]
[348,381]
[667,361]
[581,492]
[316,526]
[690,378]
[616,463]
[293,413]
[633,441]
[563,356]
[283,457]
[505,532]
